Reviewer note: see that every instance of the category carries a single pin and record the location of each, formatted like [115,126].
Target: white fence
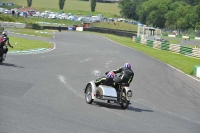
[12,25]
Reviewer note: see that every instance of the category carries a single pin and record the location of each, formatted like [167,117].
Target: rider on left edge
[3,40]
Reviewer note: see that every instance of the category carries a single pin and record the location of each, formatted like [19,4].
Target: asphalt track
[43,93]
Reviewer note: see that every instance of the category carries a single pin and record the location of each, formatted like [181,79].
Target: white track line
[86,60]
[39,52]
[63,80]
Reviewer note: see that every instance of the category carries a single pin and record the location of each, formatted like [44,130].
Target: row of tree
[61,4]
[175,14]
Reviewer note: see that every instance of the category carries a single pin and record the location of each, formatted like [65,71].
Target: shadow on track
[139,110]
[10,65]
[117,106]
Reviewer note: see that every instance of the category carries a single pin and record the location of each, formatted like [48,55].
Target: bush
[164,34]
[178,36]
[36,26]
[192,37]
[6,18]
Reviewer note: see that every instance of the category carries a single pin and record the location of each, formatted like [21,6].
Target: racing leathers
[3,46]
[104,81]
[126,76]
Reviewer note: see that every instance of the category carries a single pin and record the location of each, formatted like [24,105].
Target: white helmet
[5,33]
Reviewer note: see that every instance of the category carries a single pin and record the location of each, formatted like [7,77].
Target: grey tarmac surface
[43,93]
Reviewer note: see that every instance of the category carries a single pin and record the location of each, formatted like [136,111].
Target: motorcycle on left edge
[2,55]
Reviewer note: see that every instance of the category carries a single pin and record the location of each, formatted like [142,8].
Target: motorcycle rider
[3,41]
[126,75]
[59,28]
[106,80]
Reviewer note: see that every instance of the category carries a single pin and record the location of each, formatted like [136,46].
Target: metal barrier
[111,31]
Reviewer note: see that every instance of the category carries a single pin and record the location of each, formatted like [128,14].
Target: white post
[138,31]
[143,31]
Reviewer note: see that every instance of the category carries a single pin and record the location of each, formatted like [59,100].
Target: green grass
[73,6]
[117,25]
[27,44]
[9,7]
[179,61]
[43,33]
[9,18]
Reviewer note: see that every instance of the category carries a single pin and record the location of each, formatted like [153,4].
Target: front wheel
[88,94]
[1,60]
[124,102]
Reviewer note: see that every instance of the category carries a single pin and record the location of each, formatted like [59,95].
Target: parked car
[2,4]
[36,14]
[31,12]
[7,12]
[63,17]
[111,20]
[44,15]
[10,4]
[2,10]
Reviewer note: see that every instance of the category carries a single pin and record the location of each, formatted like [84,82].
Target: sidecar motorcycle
[103,92]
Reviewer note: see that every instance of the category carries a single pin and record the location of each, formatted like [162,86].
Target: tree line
[174,14]
[61,4]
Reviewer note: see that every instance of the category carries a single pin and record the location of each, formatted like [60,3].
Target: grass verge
[178,61]
[117,25]
[27,44]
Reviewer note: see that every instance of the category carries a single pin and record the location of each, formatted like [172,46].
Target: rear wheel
[88,94]
[124,102]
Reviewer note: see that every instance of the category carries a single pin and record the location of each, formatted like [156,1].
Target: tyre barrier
[187,51]
[143,41]
[174,48]
[157,44]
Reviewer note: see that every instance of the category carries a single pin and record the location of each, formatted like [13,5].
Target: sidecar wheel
[125,103]
[88,94]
